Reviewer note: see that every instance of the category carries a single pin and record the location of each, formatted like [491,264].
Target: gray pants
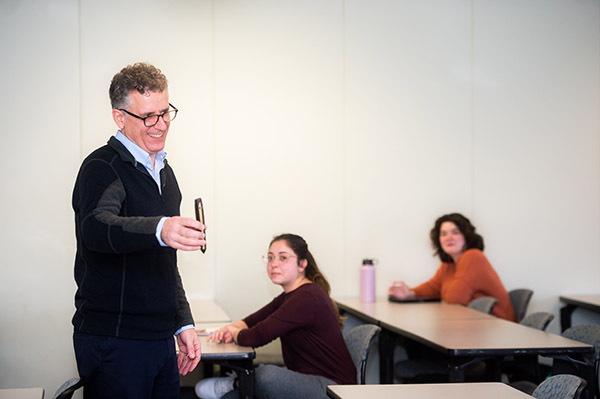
[274,382]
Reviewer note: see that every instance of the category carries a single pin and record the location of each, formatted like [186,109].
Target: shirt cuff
[182,329]
[159,227]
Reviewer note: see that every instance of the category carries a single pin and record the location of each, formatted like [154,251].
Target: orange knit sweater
[472,277]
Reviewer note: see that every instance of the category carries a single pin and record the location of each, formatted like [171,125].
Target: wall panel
[408,153]
[536,114]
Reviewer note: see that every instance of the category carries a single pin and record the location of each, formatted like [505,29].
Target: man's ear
[119,118]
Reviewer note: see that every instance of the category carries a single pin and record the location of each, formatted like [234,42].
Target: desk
[390,315]
[207,311]
[233,356]
[460,333]
[488,390]
[398,313]
[589,302]
[22,393]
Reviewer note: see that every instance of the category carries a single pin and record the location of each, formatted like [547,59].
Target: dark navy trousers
[126,368]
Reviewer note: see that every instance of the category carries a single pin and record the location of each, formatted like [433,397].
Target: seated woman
[308,323]
[465,273]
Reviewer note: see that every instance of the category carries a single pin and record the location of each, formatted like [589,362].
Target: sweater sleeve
[99,199]
[184,315]
[282,315]
[475,277]
[432,287]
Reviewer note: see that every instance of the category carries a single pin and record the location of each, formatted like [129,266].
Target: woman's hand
[223,334]
[228,333]
[400,290]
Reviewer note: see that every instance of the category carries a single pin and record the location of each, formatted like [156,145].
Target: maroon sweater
[311,338]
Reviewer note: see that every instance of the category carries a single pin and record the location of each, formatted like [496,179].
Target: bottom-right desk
[488,390]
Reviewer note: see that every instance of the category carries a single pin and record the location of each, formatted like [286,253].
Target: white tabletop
[220,351]
[590,301]
[486,337]
[460,330]
[398,313]
[22,393]
[488,390]
[208,311]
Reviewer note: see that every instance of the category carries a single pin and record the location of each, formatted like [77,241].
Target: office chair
[561,386]
[67,389]
[519,298]
[358,340]
[538,320]
[525,369]
[587,366]
[484,304]
[426,369]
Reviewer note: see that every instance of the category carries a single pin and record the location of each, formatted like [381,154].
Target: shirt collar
[140,155]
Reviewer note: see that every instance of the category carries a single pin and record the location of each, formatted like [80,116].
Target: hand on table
[400,290]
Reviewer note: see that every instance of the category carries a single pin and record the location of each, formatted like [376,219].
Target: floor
[187,393]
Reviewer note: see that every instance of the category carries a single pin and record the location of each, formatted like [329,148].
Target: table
[589,302]
[235,357]
[22,393]
[389,315]
[207,311]
[209,315]
[488,390]
[382,309]
[462,334]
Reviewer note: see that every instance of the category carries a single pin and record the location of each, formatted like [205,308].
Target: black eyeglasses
[152,120]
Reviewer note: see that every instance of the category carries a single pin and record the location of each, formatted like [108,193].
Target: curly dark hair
[472,239]
[139,76]
[312,271]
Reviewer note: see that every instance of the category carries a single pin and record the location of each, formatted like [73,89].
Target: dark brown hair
[312,271]
[472,239]
[139,76]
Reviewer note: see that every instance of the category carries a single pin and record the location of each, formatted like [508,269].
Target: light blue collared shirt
[144,158]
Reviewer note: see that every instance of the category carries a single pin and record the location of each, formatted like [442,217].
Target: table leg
[457,372]
[457,366]
[386,357]
[566,313]
[245,372]
[246,379]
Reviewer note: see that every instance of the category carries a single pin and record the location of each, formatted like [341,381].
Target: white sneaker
[214,388]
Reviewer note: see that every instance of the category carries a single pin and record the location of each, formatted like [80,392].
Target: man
[130,299]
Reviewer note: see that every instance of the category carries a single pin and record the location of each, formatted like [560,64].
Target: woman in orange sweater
[465,273]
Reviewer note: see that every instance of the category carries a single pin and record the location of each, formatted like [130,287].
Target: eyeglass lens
[152,120]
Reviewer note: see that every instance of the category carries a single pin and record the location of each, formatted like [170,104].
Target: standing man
[130,299]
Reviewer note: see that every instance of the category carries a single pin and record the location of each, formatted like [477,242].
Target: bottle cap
[368,262]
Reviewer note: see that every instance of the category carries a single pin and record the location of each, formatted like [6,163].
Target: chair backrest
[67,389]
[484,304]
[561,386]
[358,340]
[589,334]
[519,298]
[538,320]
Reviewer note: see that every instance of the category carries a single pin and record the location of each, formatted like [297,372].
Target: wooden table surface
[487,390]
[22,393]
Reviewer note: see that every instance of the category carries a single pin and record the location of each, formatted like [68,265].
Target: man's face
[150,139]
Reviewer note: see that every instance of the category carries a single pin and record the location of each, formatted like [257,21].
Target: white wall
[353,123]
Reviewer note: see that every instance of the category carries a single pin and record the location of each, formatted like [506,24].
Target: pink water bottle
[367,281]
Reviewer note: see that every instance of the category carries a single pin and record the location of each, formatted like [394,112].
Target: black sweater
[128,285]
